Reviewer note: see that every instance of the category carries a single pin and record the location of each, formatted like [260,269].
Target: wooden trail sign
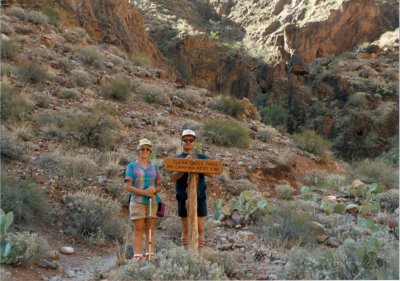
[193,167]
[190,165]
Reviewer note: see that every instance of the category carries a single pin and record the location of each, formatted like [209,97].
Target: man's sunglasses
[186,140]
[145,149]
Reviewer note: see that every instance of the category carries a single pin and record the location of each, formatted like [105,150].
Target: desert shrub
[171,225]
[17,12]
[225,132]
[235,187]
[27,249]
[153,94]
[69,94]
[77,167]
[311,142]
[8,49]
[96,130]
[266,134]
[80,78]
[33,72]
[90,56]
[284,191]
[228,105]
[42,99]
[90,215]
[389,200]
[52,15]
[23,132]
[359,260]
[275,114]
[303,264]
[226,260]
[24,199]
[11,148]
[174,264]
[51,117]
[37,17]
[14,106]
[358,99]
[377,170]
[117,89]
[285,225]
[116,188]
[191,97]
[286,157]
[141,59]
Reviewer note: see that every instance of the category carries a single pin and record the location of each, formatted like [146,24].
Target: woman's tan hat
[144,142]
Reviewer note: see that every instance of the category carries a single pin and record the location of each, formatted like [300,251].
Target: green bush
[90,56]
[286,226]
[174,264]
[275,115]
[284,191]
[95,130]
[153,94]
[69,94]
[117,89]
[389,200]
[37,17]
[33,72]
[11,148]
[311,142]
[80,78]
[14,106]
[266,134]
[8,49]
[358,99]
[236,187]
[191,97]
[90,215]
[377,170]
[28,249]
[225,132]
[23,198]
[17,12]
[228,105]
[52,15]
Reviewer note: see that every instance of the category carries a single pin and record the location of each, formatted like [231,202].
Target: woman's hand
[150,192]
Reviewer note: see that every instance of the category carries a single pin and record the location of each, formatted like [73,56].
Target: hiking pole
[150,242]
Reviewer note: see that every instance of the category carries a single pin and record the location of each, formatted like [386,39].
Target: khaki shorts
[141,211]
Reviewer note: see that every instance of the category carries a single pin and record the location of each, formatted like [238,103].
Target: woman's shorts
[201,208]
[141,211]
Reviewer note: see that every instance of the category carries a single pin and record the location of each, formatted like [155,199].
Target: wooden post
[194,167]
[191,206]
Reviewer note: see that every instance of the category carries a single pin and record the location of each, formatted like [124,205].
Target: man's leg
[200,225]
[185,231]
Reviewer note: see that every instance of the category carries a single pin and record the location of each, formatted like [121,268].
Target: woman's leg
[138,228]
[150,223]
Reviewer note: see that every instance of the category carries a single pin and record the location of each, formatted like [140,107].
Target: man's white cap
[188,133]
[144,142]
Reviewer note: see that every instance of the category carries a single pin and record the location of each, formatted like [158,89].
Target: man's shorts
[201,208]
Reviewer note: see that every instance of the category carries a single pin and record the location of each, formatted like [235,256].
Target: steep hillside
[252,49]
[73,107]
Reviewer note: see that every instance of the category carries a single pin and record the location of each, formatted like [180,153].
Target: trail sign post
[194,167]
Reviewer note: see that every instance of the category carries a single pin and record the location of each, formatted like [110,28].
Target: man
[188,139]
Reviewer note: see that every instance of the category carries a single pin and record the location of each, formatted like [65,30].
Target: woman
[143,182]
